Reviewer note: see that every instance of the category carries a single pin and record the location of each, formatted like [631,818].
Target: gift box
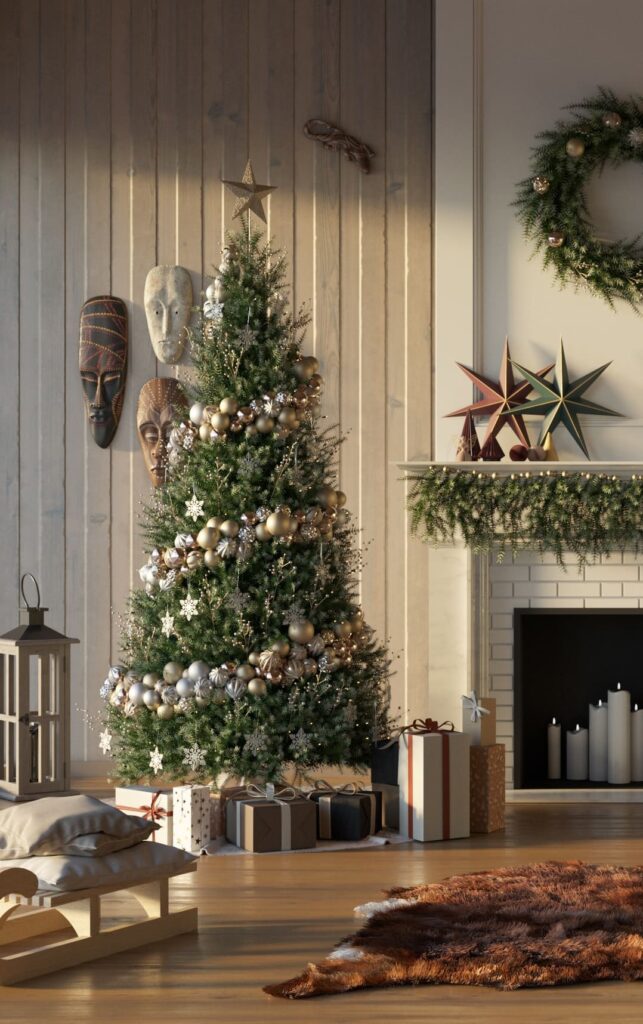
[479,719]
[433,776]
[488,788]
[390,804]
[346,813]
[265,821]
[151,803]
[384,758]
[191,805]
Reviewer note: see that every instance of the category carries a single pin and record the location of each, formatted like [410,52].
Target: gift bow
[420,726]
[268,792]
[149,812]
[321,786]
[471,703]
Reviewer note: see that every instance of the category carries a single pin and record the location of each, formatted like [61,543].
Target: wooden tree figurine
[468,443]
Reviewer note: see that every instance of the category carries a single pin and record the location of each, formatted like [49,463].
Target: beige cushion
[54,824]
[127,867]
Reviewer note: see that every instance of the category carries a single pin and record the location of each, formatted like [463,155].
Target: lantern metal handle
[22,589]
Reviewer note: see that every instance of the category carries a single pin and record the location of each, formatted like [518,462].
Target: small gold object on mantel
[550,449]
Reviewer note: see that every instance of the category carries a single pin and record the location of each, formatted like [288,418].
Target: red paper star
[500,398]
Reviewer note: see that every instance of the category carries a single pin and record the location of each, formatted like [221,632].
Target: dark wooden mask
[103,364]
[160,401]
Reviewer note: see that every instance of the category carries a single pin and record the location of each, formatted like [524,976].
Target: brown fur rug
[556,923]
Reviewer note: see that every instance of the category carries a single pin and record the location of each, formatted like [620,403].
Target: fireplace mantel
[533,468]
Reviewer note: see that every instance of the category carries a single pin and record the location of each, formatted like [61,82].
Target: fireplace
[565,659]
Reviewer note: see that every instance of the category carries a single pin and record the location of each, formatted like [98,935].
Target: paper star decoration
[156,760]
[249,194]
[562,401]
[194,508]
[105,742]
[194,757]
[167,625]
[501,398]
[189,607]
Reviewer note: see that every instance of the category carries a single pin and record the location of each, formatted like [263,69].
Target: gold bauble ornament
[211,559]
[229,406]
[221,422]
[327,497]
[229,528]
[310,667]
[214,522]
[245,414]
[257,687]
[342,629]
[281,647]
[194,559]
[251,430]
[357,622]
[245,672]
[150,679]
[301,632]
[165,711]
[555,239]
[341,499]
[611,119]
[264,424]
[208,537]
[172,672]
[253,658]
[262,532]
[270,661]
[278,524]
[173,558]
[274,677]
[305,367]
[574,147]
[288,416]
[204,431]
[540,185]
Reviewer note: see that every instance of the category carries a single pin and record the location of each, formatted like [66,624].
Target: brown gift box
[487,788]
[265,826]
[483,731]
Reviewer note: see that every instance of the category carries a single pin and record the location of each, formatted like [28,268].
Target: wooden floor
[262,918]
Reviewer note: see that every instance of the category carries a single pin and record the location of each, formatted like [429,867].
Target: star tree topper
[562,401]
[501,398]
[249,194]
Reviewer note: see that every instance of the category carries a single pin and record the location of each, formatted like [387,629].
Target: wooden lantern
[34,707]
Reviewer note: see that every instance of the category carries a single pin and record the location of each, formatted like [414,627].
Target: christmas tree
[246,648]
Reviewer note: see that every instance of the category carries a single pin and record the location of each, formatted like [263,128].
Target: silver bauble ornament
[203,688]
[136,693]
[270,661]
[197,670]
[106,689]
[294,668]
[235,688]
[185,687]
[219,676]
[310,667]
[151,699]
[227,547]
[317,645]
[186,705]
[196,413]
[172,672]
[116,673]
[635,137]
[170,695]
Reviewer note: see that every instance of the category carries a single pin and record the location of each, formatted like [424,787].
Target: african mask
[159,402]
[168,307]
[103,364]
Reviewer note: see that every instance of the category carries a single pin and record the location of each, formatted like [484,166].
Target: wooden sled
[52,912]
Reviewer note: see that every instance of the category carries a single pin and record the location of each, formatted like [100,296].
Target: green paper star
[562,401]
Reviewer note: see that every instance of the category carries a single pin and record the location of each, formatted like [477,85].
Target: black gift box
[384,757]
[347,816]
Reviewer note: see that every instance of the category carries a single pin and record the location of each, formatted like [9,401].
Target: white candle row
[611,750]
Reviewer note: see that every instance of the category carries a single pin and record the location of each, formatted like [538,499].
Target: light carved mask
[160,401]
[103,364]
[168,308]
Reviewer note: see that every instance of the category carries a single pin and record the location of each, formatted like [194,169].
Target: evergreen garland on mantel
[582,513]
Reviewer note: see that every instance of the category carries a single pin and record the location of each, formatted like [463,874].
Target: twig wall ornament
[102,360]
[160,401]
[332,137]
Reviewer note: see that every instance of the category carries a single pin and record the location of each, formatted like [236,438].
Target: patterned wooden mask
[103,364]
[160,401]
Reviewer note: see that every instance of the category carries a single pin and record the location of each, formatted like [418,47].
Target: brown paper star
[500,399]
[249,194]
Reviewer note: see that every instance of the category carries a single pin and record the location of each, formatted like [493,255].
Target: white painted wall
[508,67]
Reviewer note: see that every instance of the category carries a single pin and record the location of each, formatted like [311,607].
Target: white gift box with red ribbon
[433,777]
[150,803]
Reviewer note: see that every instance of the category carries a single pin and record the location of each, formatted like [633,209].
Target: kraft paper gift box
[488,788]
[347,814]
[151,803]
[191,805]
[264,825]
[433,776]
[390,804]
[384,758]
[479,719]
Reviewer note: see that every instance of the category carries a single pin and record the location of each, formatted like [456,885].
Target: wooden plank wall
[118,119]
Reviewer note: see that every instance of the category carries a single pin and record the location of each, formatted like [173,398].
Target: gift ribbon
[423,727]
[470,703]
[254,792]
[418,725]
[149,812]
[326,793]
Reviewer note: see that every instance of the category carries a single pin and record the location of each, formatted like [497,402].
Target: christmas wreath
[552,206]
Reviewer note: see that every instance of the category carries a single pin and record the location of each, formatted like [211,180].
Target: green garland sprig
[552,205]
[585,514]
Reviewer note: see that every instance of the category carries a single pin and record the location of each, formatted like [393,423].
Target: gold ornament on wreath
[182,690]
[551,201]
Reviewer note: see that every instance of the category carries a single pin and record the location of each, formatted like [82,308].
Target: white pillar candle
[577,753]
[619,737]
[553,750]
[598,742]
[637,744]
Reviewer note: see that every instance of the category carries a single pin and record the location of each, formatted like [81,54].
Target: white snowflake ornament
[189,607]
[156,760]
[105,742]
[194,757]
[167,625]
[194,508]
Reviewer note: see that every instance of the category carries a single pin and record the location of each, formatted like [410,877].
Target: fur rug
[556,923]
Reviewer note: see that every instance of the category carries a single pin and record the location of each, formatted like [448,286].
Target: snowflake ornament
[194,508]
[246,337]
[255,743]
[156,760]
[294,614]
[167,625]
[300,742]
[194,757]
[105,742]
[189,607]
[238,600]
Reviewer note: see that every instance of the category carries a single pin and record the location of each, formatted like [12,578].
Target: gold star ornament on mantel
[249,194]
